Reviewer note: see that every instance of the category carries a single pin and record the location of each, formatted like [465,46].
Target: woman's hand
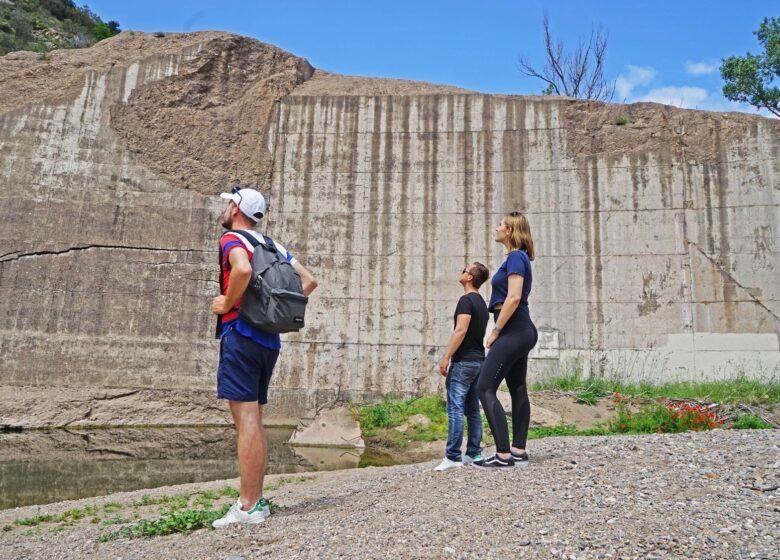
[492,338]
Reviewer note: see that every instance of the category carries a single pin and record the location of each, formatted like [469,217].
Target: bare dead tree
[577,74]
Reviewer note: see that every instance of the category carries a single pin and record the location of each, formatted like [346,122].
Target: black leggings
[508,358]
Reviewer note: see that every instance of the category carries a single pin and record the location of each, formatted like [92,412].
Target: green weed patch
[734,391]
[389,414]
[750,422]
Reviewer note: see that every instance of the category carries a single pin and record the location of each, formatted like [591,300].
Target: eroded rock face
[657,238]
[206,127]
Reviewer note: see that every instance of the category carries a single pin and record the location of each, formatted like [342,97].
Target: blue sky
[659,50]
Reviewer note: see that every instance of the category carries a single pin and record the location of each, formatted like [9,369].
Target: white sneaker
[256,514]
[448,464]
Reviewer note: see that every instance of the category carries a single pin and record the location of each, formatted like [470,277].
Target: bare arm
[240,274]
[461,327]
[307,279]
[512,301]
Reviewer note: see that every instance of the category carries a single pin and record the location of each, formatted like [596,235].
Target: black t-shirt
[472,347]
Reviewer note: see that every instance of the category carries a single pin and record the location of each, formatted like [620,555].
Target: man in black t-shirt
[460,364]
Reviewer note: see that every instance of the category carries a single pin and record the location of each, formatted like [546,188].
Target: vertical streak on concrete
[430,122]
[591,220]
[632,164]
[519,151]
[708,219]
[272,143]
[468,173]
[486,188]
[351,111]
[351,107]
[492,179]
[308,162]
[664,160]
[684,270]
[377,225]
[389,217]
[729,288]
[598,268]
[404,209]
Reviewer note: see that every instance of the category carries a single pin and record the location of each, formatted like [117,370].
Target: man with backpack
[251,267]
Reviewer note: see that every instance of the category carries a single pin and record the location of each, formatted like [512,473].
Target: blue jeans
[462,399]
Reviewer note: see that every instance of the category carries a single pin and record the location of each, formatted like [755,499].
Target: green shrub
[750,422]
[101,31]
[621,120]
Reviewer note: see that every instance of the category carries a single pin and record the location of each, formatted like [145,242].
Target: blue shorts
[245,368]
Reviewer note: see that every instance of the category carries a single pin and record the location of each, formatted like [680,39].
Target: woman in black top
[510,342]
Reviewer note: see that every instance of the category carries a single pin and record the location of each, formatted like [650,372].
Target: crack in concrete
[731,277]
[88,247]
[119,396]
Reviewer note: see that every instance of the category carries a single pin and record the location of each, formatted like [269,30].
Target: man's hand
[491,339]
[444,365]
[219,305]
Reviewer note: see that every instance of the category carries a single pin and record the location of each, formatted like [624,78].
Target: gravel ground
[693,495]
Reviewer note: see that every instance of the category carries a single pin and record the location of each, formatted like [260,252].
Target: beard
[227,222]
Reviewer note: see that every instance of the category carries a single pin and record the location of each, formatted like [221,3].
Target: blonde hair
[521,233]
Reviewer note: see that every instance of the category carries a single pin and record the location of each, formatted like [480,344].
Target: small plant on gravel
[229,491]
[111,507]
[36,520]
[750,422]
[8,527]
[621,120]
[117,520]
[180,521]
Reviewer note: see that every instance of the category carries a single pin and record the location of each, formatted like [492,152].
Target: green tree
[752,78]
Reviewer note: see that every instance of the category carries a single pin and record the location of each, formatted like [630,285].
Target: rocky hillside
[45,25]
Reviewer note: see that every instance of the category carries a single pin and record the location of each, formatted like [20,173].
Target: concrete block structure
[657,239]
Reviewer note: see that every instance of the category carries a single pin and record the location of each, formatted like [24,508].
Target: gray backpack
[274,301]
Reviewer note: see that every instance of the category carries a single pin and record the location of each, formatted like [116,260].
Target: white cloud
[636,76]
[690,97]
[686,97]
[701,68]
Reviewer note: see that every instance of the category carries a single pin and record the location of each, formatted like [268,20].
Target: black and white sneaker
[521,459]
[495,462]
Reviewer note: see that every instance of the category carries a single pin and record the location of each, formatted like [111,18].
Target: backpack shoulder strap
[246,235]
[270,243]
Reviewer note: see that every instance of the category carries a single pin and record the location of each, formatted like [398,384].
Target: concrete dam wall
[657,239]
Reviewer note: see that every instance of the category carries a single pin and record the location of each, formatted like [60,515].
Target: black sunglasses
[237,190]
[515,214]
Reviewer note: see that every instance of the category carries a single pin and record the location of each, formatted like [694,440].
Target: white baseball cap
[249,201]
